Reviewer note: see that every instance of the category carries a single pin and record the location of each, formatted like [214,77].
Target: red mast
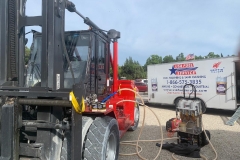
[115,66]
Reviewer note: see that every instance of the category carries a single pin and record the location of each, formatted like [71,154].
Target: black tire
[102,140]
[66,143]
[204,108]
[66,147]
[136,119]
[176,101]
[204,138]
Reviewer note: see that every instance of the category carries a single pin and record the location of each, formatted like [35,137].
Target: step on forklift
[61,104]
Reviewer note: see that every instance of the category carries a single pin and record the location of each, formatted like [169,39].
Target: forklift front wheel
[102,140]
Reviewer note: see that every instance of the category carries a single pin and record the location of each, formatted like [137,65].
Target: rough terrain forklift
[61,105]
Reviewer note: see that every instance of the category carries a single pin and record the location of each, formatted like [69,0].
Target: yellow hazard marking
[78,108]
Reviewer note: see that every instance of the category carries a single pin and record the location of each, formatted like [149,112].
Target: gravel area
[225,139]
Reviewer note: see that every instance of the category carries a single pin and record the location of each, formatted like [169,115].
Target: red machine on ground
[172,125]
[62,106]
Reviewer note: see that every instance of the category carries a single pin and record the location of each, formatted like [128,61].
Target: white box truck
[217,82]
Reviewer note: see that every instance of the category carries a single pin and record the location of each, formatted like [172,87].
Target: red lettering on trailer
[185,65]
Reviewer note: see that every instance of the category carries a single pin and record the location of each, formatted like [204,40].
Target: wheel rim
[111,147]
[136,116]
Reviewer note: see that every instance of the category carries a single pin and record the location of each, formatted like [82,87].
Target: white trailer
[216,80]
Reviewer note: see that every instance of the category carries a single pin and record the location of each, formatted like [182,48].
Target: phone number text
[184,81]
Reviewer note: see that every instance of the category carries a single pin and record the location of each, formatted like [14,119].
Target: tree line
[131,69]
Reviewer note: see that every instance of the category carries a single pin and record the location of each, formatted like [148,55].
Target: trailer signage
[216,69]
[183,69]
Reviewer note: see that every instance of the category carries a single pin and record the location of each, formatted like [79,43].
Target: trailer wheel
[176,101]
[102,140]
[204,108]
[136,119]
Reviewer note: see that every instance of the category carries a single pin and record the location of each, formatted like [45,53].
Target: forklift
[61,105]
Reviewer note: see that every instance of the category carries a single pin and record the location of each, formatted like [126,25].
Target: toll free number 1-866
[184,81]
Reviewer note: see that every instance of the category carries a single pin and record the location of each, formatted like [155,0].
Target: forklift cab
[86,60]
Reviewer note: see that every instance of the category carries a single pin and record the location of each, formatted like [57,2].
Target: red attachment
[175,124]
[124,111]
[172,126]
[128,95]
[115,66]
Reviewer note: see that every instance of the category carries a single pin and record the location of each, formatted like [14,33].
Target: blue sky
[161,27]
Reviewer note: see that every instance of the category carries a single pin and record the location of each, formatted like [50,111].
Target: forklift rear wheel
[136,119]
[102,140]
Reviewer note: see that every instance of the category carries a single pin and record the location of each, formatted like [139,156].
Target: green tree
[180,57]
[198,57]
[212,55]
[119,70]
[27,54]
[153,59]
[132,69]
[111,71]
[168,59]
